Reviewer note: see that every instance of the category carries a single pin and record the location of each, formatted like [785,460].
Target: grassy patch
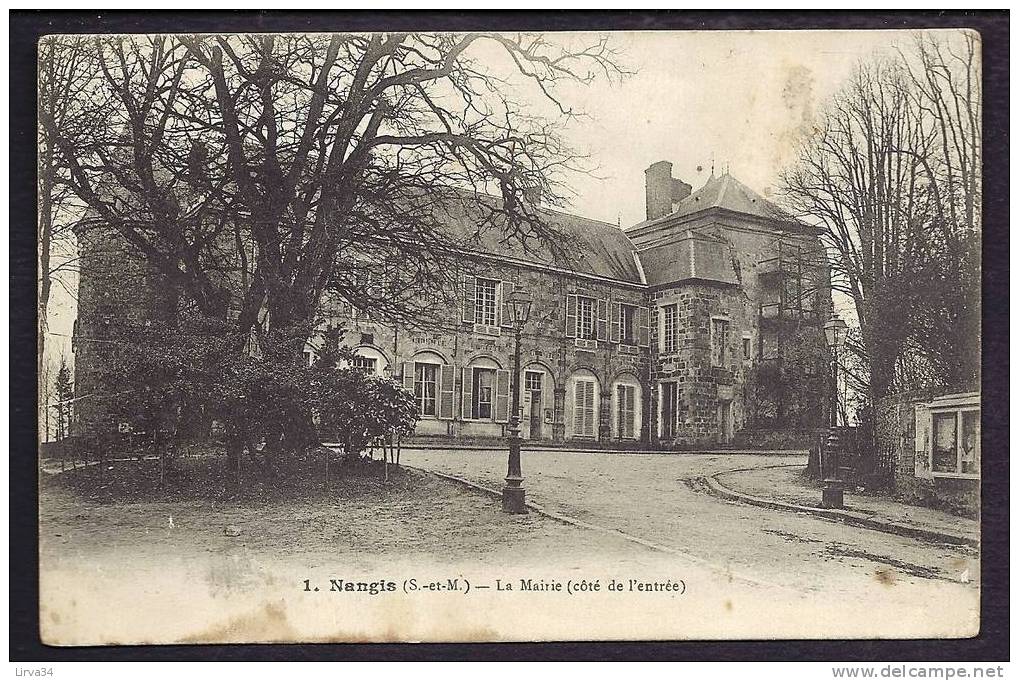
[206,476]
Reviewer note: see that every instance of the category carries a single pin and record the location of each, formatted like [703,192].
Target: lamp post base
[832,494]
[513,499]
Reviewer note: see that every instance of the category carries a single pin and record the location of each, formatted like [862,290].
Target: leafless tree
[64,71]
[892,176]
[297,161]
[257,172]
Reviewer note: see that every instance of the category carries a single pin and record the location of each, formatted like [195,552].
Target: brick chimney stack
[663,191]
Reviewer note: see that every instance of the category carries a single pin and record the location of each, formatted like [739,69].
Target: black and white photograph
[363,337]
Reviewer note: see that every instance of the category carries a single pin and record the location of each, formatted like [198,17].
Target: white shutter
[408,377]
[502,396]
[466,401]
[578,408]
[922,445]
[583,408]
[446,385]
[589,408]
[469,292]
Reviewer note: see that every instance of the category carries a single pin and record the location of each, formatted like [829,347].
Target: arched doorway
[536,400]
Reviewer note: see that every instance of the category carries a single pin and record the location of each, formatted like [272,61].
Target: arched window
[430,379]
[626,408]
[584,395]
[485,391]
[370,360]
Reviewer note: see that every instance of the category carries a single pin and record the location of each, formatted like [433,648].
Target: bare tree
[64,71]
[946,89]
[256,172]
[883,175]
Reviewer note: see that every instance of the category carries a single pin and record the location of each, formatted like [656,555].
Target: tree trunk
[45,240]
[234,450]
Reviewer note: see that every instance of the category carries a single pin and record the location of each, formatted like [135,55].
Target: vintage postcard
[509,336]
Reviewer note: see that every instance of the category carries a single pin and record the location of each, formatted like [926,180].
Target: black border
[26,27]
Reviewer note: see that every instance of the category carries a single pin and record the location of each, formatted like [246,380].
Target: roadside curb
[635,452]
[717,489]
[576,522]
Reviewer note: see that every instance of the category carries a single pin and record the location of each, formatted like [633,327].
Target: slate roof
[598,248]
[691,257]
[728,193]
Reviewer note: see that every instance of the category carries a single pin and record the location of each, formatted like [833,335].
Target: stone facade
[117,293]
[552,358]
[710,407]
[597,364]
[741,278]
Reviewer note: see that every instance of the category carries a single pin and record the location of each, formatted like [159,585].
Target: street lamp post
[513,493]
[835,332]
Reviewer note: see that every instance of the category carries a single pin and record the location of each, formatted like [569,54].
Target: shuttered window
[626,399]
[484,393]
[628,330]
[583,408]
[485,297]
[426,387]
[586,310]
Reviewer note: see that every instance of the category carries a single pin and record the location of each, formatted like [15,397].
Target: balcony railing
[777,310]
[771,266]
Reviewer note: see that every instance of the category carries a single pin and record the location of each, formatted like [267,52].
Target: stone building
[647,340]
[929,448]
[644,339]
[116,294]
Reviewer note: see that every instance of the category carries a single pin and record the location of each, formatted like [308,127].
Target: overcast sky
[741,98]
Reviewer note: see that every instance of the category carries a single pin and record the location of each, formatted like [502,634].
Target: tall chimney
[680,190]
[658,188]
[663,190]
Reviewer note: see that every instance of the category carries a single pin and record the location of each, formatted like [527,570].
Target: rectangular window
[485,303]
[533,380]
[747,349]
[583,408]
[719,342]
[483,393]
[628,324]
[670,329]
[670,410]
[532,397]
[365,365]
[626,404]
[970,442]
[426,387]
[956,444]
[946,455]
[586,318]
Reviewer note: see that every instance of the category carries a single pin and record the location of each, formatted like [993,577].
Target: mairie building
[644,340]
